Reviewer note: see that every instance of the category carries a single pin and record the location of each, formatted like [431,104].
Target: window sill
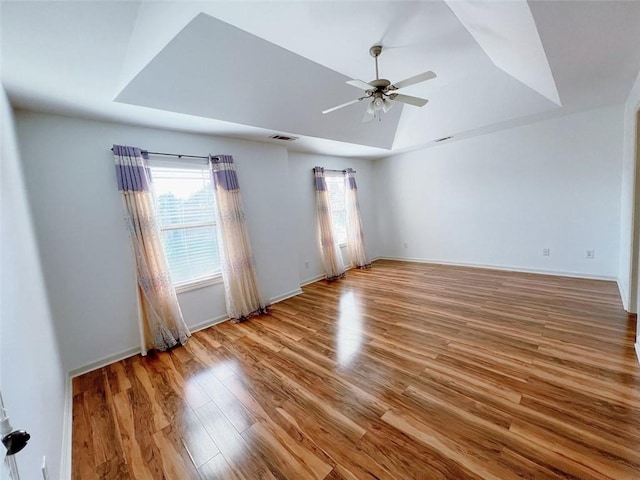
[198,284]
[342,245]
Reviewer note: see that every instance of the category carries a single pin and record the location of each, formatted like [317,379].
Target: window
[185,208]
[335,186]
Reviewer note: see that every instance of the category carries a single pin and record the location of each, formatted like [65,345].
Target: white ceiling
[252,69]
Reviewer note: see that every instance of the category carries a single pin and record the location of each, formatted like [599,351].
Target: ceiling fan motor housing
[380,83]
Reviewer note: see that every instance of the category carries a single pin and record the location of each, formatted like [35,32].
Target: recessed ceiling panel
[215,70]
[417,36]
[470,103]
[507,33]
[592,48]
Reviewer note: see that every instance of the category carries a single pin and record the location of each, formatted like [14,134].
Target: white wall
[304,209]
[499,199]
[629,241]
[494,200]
[32,379]
[86,253]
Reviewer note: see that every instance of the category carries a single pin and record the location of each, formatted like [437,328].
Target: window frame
[197,165]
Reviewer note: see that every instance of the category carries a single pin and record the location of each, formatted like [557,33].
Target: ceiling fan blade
[418,102]
[343,105]
[359,84]
[423,77]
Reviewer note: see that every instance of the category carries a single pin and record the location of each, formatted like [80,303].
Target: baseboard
[637,345]
[503,268]
[284,296]
[67,429]
[624,295]
[103,362]
[317,278]
[209,323]
[223,318]
[116,357]
[311,280]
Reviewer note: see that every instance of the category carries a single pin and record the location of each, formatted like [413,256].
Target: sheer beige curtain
[162,325]
[331,257]
[242,293]
[355,234]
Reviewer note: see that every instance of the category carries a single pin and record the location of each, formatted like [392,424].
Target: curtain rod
[340,171]
[179,155]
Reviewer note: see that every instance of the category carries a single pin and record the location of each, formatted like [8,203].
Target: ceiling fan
[381,91]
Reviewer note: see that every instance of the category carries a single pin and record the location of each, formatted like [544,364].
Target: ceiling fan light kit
[382,92]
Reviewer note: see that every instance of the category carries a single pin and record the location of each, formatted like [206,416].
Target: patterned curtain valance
[320,182]
[351,178]
[224,172]
[131,169]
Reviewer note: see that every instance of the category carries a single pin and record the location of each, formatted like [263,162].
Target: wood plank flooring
[404,371]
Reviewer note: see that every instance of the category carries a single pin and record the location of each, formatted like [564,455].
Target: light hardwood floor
[405,371]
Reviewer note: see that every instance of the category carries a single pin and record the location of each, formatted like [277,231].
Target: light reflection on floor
[349,333]
[216,414]
[225,369]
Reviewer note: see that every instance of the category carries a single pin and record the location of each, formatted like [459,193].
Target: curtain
[355,243]
[162,325]
[331,257]
[242,294]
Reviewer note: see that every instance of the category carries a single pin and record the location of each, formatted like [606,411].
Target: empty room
[340,240]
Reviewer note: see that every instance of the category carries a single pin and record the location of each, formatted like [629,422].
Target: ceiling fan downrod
[375,52]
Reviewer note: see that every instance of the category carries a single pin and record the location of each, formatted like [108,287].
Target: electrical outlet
[306,265]
[45,472]
[590,254]
[546,252]
[405,245]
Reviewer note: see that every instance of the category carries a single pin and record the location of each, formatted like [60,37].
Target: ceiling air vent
[443,139]
[283,138]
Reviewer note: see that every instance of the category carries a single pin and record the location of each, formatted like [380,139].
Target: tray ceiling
[251,69]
